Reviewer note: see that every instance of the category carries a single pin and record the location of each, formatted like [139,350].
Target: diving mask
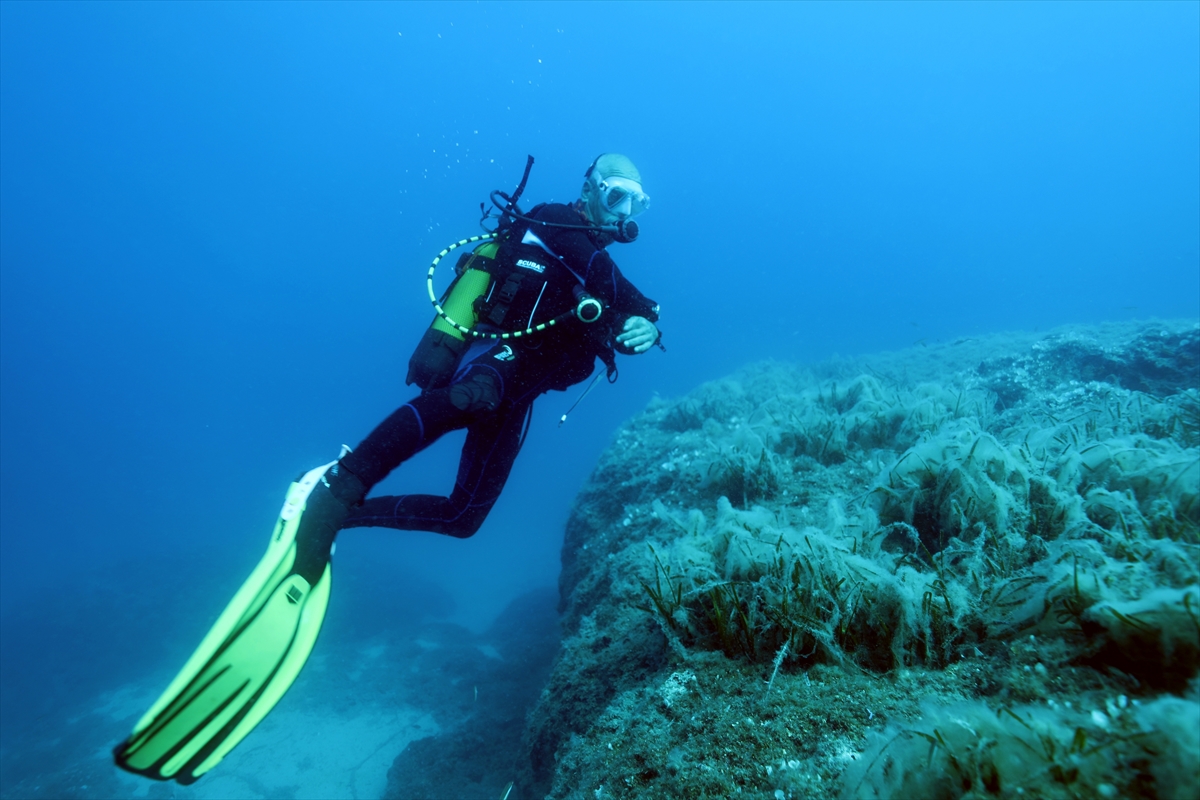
[622,197]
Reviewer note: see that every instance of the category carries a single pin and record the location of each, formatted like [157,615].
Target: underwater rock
[495,677]
[972,568]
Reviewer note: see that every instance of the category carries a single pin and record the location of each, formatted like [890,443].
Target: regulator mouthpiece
[625,231]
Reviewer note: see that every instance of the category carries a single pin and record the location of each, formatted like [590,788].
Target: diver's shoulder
[556,212]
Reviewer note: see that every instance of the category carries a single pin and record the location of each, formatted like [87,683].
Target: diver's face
[610,200]
[596,213]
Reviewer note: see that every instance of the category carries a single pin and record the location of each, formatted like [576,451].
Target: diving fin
[254,651]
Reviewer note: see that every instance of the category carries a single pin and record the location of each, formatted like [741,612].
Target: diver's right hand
[638,335]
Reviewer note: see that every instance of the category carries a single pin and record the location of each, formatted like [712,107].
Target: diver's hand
[639,334]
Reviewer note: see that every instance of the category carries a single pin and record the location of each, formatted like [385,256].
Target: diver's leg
[475,400]
[487,458]
[407,431]
[478,389]
[330,501]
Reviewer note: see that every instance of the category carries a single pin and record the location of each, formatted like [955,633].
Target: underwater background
[927,219]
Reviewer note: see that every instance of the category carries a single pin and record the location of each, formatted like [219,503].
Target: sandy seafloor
[387,670]
[1018,522]
[307,748]
[333,749]
[329,737]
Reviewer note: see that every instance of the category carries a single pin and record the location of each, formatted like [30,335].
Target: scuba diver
[529,311]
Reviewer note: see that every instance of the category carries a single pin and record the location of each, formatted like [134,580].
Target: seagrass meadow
[962,570]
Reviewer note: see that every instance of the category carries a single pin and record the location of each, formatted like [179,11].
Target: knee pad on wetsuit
[479,392]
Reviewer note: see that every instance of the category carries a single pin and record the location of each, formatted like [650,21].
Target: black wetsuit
[492,390]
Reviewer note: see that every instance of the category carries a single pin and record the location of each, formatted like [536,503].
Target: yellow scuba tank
[467,287]
[432,363]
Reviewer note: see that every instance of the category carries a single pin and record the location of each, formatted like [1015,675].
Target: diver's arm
[635,314]
[627,298]
[638,332]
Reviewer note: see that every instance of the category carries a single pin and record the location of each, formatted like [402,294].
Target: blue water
[217,218]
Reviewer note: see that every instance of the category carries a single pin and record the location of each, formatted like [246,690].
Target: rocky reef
[479,688]
[962,570]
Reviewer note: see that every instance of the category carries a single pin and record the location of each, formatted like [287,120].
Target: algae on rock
[1001,534]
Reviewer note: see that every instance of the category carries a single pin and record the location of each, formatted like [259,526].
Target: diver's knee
[468,523]
[465,529]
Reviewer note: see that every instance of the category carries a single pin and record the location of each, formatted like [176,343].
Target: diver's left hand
[639,334]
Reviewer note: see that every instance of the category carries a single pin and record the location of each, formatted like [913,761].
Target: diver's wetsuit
[495,383]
